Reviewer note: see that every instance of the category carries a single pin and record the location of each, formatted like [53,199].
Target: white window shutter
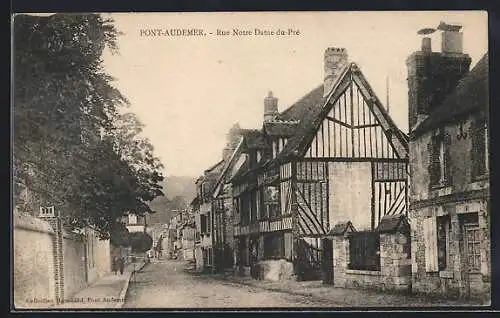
[430,240]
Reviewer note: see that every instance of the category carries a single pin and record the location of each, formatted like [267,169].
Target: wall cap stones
[25,221]
[342,228]
[393,223]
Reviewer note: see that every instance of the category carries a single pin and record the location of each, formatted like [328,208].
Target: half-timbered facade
[333,156]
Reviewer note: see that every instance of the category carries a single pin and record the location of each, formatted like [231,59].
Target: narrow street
[167,285]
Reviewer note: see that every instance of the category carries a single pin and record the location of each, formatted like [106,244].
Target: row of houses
[179,237]
[330,188]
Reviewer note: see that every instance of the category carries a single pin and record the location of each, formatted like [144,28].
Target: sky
[189,90]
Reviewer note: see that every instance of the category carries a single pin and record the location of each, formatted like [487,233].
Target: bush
[140,242]
[120,236]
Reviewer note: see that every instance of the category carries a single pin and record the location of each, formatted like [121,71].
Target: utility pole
[387,94]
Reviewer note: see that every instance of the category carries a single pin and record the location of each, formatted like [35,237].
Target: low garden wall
[394,272]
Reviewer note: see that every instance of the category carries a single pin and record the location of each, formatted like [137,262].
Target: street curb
[124,290]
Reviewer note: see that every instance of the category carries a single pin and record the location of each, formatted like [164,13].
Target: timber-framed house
[333,156]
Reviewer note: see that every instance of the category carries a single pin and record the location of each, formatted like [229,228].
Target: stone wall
[395,266]
[74,266]
[33,275]
[276,270]
[454,281]
[51,264]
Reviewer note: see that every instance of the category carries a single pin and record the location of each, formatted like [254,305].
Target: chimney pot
[426,45]
[451,42]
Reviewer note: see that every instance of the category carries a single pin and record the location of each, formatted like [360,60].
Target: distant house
[448,117]
[134,222]
[204,217]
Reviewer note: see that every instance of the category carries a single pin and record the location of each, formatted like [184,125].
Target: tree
[68,134]
[140,242]
[119,235]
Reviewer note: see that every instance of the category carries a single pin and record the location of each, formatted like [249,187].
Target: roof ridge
[282,121]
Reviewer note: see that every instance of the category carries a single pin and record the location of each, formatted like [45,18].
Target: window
[245,208]
[203,223]
[443,233]
[208,222]
[479,140]
[473,247]
[364,251]
[436,240]
[274,246]
[271,201]
[132,219]
[438,162]
[253,203]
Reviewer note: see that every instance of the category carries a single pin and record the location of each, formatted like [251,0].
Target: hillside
[179,191]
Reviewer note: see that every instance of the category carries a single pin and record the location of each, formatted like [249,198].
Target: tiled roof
[470,95]
[392,223]
[280,128]
[302,106]
[254,139]
[341,228]
[243,170]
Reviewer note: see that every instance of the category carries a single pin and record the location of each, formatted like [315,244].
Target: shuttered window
[430,241]
[203,223]
[479,147]
[439,159]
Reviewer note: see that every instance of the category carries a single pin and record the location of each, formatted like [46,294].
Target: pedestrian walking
[121,265]
[114,265]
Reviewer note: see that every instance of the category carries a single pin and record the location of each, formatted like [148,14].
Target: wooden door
[327,261]
[472,258]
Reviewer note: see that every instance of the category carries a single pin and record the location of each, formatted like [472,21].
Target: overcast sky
[189,91]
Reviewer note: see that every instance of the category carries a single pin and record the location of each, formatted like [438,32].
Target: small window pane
[476,236]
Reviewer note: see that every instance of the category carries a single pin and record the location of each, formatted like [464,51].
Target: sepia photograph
[250,160]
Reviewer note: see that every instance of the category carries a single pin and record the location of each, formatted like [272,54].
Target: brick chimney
[334,62]
[433,75]
[232,139]
[270,107]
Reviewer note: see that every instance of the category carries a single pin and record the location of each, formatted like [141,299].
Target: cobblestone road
[167,285]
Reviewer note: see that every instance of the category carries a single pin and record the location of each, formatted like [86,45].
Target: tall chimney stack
[270,107]
[334,62]
[433,75]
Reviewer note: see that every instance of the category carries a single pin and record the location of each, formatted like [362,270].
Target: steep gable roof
[302,106]
[318,108]
[229,163]
[470,95]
